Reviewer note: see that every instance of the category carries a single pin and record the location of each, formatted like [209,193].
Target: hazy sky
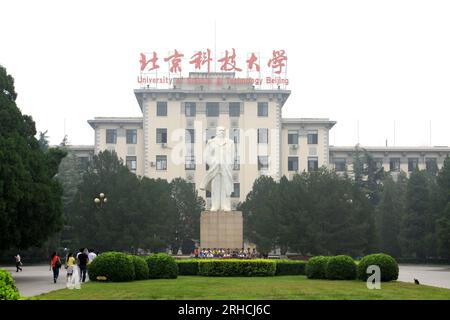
[376,61]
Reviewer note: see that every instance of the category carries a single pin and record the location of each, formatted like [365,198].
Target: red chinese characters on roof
[277,61]
[229,62]
[202,59]
[175,60]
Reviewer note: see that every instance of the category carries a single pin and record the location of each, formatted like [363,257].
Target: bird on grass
[416,281]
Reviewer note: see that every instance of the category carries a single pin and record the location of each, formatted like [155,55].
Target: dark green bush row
[115,266]
[344,267]
[316,267]
[388,266]
[120,267]
[8,289]
[162,266]
[187,267]
[290,267]
[236,267]
[341,268]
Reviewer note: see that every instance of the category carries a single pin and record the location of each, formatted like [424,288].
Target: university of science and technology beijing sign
[157,69]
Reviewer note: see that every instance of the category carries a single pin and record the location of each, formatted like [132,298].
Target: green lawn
[280,287]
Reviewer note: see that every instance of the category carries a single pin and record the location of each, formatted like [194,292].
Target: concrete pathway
[36,279]
[432,275]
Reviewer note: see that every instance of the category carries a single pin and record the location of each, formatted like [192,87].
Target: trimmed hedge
[290,267]
[8,289]
[115,266]
[140,268]
[187,267]
[341,268]
[316,267]
[388,266]
[236,267]
[162,266]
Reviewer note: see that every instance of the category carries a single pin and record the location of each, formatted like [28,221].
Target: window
[431,165]
[263,135]
[208,194]
[161,135]
[292,163]
[263,163]
[339,164]
[263,109]
[292,137]
[161,162]
[413,164]
[394,164]
[237,163]
[190,109]
[212,109]
[379,162]
[111,136]
[312,137]
[236,190]
[161,108]
[83,162]
[131,136]
[313,164]
[234,134]
[190,136]
[131,163]
[235,109]
[189,163]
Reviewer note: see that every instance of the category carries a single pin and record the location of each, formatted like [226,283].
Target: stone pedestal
[221,229]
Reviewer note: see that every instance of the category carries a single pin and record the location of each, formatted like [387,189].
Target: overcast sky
[378,62]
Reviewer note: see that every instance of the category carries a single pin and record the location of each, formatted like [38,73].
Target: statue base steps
[221,229]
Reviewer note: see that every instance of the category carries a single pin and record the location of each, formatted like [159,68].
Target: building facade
[168,140]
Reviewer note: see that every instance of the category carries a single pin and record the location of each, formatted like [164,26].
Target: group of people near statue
[75,265]
[226,253]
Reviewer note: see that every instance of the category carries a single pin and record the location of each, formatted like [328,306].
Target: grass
[240,288]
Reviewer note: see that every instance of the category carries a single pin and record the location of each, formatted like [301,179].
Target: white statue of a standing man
[219,155]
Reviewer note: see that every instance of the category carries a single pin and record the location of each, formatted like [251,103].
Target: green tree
[261,214]
[390,213]
[417,217]
[443,209]
[30,197]
[189,206]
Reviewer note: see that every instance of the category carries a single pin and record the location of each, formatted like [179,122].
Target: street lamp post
[100,202]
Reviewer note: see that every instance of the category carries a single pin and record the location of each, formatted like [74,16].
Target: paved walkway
[36,279]
[432,275]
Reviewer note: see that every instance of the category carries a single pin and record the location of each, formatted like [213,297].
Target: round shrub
[187,267]
[290,267]
[316,267]
[236,267]
[140,268]
[388,266]
[341,268]
[162,266]
[8,289]
[114,266]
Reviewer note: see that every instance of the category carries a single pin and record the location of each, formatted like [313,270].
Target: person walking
[83,260]
[91,255]
[55,265]
[70,262]
[18,263]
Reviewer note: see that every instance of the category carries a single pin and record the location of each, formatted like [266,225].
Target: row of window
[394,164]
[212,109]
[161,136]
[313,163]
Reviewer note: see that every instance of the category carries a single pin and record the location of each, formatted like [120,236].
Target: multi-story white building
[168,140]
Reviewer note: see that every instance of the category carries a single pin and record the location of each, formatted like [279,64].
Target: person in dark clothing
[83,260]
